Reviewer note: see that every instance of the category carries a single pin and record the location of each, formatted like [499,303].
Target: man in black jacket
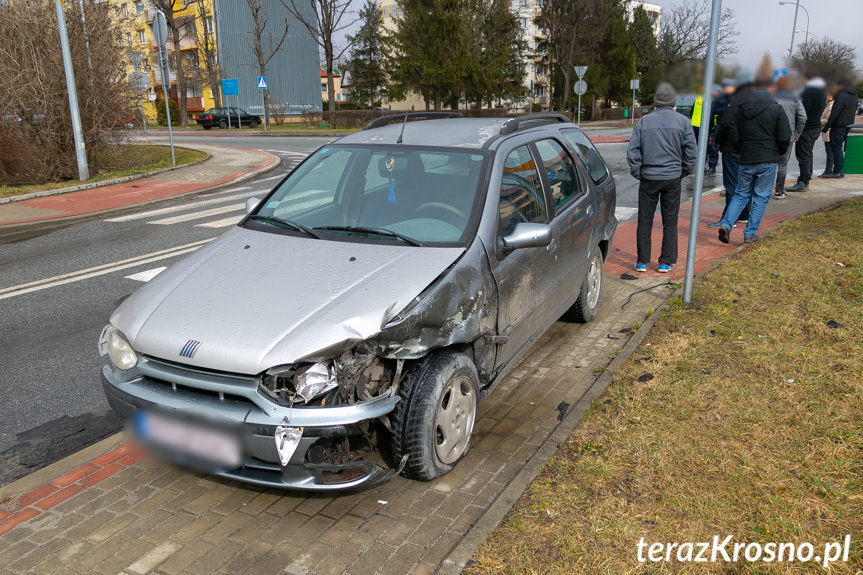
[844,110]
[730,158]
[761,134]
[814,99]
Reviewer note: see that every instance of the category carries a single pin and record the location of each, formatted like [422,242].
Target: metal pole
[579,109]
[530,99]
[77,131]
[163,62]
[793,30]
[703,133]
[632,120]
[144,121]
[264,103]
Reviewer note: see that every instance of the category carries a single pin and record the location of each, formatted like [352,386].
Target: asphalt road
[58,289]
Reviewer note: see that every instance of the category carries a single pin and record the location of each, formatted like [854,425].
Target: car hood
[255,300]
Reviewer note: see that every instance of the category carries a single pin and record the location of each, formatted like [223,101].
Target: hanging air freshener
[391,197]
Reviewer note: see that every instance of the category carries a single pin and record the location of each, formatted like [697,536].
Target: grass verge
[127,160]
[741,415]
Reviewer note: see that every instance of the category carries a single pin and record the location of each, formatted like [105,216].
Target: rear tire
[585,307]
[254,123]
[223,124]
[433,422]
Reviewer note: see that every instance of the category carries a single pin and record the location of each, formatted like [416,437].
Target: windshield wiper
[376,231]
[286,223]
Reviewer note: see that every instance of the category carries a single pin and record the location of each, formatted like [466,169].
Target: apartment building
[214,45]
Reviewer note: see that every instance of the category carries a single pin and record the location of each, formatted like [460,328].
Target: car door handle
[552,246]
[588,211]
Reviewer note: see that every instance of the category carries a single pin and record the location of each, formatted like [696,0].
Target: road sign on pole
[231,87]
[160,36]
[580,71]
[633,85]
[262,85]
[580,88]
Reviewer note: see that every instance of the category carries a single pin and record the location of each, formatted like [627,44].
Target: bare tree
[208,52]
[36,137]
[263,43]
[175,23]
[323,22]
[572,31]
[685,32]
[827,58]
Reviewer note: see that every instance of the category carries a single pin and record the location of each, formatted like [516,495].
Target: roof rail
[514,124]
[384,120]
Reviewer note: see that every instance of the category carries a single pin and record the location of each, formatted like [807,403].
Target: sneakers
[798,187]
[832,175]
[664,268]
[639,267]
[724,235]
[780,195]
[750,239]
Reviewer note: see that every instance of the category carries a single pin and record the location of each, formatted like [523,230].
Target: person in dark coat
[842,116]
[730,158]
[814,99]
[761,134]
[796,113]
[661,151]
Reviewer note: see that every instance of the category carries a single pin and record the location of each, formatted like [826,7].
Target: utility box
[854,150]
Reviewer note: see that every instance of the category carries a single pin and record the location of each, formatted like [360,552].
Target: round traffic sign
[580,88]
[139,81]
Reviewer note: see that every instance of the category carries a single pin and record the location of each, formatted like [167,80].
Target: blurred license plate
[207,443]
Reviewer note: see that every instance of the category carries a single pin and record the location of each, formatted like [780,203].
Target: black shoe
[750,239]
[724,235]
[798,187]
[780,195]
[823,174]
[830,175]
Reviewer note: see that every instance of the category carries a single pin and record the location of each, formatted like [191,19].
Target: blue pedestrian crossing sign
[262,82]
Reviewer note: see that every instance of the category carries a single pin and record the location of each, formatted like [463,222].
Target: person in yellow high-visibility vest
[712,150]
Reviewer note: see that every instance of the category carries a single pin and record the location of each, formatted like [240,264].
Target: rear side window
[588,155]
[521,197]
[561,172]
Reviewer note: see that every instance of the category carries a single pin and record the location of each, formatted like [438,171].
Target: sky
[765,26]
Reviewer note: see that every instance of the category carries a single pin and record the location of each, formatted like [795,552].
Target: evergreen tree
[364,63]
[643,41]
[495,61]
[618,56]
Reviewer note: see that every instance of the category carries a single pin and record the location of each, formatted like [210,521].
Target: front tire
[254,124]
[223,125]
[585,307]
[433,422]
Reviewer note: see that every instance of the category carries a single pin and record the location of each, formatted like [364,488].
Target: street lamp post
[797,5]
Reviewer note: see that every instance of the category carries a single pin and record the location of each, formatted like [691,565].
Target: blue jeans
[754,182]
[730,167]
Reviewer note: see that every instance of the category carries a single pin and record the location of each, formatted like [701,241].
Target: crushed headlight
[317,379]
[114,345]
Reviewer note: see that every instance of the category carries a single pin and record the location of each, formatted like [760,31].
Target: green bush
[161,116]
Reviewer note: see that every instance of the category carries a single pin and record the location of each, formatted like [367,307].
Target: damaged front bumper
[320,454]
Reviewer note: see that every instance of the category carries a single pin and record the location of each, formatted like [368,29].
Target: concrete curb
[102,183]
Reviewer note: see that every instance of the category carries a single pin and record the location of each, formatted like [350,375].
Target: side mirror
[251,204]
[528,236]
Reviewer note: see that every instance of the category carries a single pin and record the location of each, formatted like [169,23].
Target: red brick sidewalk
[709,248]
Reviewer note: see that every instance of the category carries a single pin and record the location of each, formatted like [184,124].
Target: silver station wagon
[348,327]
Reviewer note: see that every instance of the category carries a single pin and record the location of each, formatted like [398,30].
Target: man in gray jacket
[796,114]
[662,150]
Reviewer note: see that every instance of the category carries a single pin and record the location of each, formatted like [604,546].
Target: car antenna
[399,141]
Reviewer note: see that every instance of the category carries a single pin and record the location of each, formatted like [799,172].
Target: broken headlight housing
[114,345]
[306,382]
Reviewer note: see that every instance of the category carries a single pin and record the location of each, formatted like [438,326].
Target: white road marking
[622,214]
[279,176]
[147,275]
[285,153]
[198,215]
[232,221]
[189,206]
[103,269]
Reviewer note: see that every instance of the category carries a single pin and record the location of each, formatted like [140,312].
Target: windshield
[392,194]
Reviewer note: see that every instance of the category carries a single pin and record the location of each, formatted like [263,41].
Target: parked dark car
[227,117]
[348,327]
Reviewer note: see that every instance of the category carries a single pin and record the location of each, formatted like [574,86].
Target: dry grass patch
[741,415]
[116,162]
